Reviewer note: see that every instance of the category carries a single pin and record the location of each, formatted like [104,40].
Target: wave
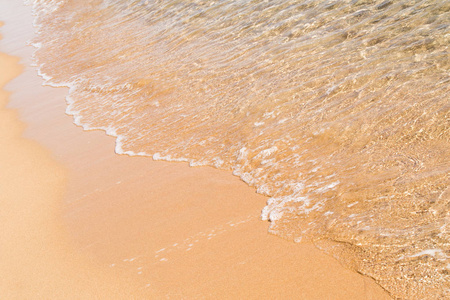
[338,111]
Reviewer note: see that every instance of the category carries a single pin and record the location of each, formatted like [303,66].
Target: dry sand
[80,222]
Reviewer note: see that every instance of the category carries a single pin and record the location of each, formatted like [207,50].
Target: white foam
[264,189]
[269,114]
[158,156]
[111,131]
[275,214]
[315,169]
[276,206]
[199,163]
[328,187]
[218,162]
[246,177]
[432,252]
[268,152]
[243,154]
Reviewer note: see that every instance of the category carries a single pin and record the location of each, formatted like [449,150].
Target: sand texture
[81,222]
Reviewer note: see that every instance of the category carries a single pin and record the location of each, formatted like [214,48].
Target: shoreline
[36,258]
[122,226]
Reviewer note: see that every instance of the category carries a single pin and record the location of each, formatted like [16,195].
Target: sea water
[339,111]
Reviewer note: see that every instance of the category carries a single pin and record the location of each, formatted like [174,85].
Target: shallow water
[339,111]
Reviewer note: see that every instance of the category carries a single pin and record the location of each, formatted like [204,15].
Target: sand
[79,221]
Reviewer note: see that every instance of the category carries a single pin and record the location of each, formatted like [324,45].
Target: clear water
[337,110]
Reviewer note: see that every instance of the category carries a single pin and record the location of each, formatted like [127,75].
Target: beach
[80,221]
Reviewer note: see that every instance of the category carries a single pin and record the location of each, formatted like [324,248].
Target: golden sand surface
[36,259]
[80,222]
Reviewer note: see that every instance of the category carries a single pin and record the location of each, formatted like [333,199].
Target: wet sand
[37,260]
[82,221]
